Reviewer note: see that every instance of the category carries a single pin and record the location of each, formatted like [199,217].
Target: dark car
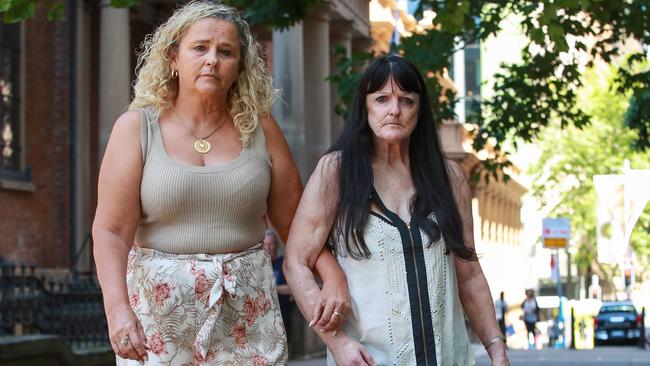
[617,322]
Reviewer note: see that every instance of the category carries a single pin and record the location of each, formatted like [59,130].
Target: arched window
[10,119]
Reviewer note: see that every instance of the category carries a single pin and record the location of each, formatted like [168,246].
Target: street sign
[556,232]
[555,243]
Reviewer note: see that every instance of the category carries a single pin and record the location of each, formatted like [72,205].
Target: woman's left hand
[333,306]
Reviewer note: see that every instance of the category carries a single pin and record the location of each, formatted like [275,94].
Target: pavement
[601,356]
[479,352]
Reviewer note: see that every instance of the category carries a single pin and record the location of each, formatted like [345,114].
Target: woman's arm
[473,288]
[284,196]
[333,298]
[286,187]
[116,219]
[309,232]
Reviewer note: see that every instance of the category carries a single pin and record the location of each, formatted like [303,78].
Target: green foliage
[635,76]
[346,78]
[571,156]
[14,11]
[124,3]
[56,11]
[277,14]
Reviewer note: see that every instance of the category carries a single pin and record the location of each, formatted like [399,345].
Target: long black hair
[433,191]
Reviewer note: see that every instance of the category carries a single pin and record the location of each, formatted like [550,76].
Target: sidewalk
[478,350]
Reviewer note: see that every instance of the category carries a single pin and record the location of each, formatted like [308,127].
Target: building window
[465,70]
[472,82]
[10,121]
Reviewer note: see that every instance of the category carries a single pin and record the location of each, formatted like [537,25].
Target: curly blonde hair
[251,96]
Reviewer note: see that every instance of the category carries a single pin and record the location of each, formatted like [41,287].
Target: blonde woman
[189,175]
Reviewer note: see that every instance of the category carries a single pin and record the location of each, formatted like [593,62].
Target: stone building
[64,83]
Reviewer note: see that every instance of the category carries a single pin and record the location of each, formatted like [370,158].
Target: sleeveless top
[194,209]
[405,304]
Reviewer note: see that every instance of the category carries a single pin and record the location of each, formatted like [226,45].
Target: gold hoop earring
[175,73]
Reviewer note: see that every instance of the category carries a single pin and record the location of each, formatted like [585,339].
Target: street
[601,356]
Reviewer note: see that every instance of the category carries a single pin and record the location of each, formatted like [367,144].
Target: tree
[571,156]
[14,11]
[273,13]
[528,95]
[541,88]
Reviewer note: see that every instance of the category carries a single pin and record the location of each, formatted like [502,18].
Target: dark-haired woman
[398,216]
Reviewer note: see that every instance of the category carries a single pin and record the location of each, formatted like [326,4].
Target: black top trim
[421,322]
[382,217]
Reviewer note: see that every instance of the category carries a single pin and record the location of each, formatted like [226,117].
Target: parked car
[617,322]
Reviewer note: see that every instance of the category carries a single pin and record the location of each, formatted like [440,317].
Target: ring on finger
[124,341]
[336,313]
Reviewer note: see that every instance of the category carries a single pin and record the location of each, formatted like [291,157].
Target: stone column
[361,44]
[494,216]
[509,214]
[115,69]
[288,76]
[476,208]
[501,208]
[511,226]
[82,136]
[485,215]
[318,119]
[341,35]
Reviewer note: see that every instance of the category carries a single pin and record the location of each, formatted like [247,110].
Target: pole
[573,329]
[642,339]
[570,293]
[560,316]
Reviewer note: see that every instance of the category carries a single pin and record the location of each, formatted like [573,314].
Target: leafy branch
[276,14]
[543,86]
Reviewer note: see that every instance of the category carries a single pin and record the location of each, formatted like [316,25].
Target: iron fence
[71,308]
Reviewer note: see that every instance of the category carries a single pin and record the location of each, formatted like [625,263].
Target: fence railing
[71,308]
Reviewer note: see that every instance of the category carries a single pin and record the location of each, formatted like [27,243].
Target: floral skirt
[200,309]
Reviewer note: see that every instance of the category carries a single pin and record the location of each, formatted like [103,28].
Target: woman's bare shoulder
[128,122]
[329,163]
[456,173]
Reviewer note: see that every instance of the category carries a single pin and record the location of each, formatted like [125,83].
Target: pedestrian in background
[530,317]
[189,175]
[398,216]
[284,293]
[501,307]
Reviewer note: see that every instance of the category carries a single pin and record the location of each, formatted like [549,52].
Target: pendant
[202,146]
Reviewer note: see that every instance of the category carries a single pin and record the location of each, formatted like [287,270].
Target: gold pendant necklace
[201,145]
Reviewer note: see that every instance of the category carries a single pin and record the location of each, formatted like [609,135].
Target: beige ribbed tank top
[194,209]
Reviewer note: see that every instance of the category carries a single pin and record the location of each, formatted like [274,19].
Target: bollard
[573,329]
[642,339]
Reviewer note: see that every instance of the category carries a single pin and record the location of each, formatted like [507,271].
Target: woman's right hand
[348,352]
[332,307]
[126,333]
[333,304]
